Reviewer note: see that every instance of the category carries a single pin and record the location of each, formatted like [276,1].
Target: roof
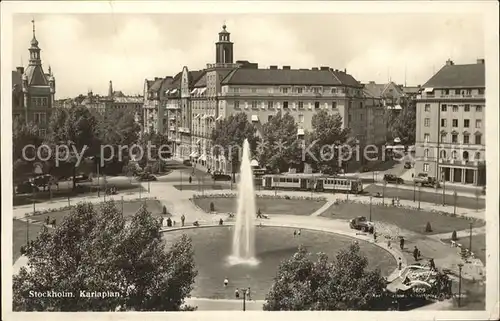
[35,75]
[129,100]
[156,84]
[202,81]
[243,76]
[384,90]
[16,78]
[459,76]
[411,90]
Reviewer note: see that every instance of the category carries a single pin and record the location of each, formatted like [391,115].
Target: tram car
[319,183]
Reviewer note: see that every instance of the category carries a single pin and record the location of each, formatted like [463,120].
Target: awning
[428,90]
[300,131]
[167,91]
[197,116]
[220,117]
[194,154]
[255,118]
[173,91]
[198,141]
[203,157]
[194,91]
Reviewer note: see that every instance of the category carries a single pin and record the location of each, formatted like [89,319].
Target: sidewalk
[448,190]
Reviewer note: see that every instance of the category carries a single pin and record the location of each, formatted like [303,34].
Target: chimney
[314,68]
[286,67]
[20,70]
[480,61]
[345,70]
[324,68]
[371,82]
[273,67]
[449,62]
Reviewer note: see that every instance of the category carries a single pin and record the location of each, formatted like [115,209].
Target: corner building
[450,125]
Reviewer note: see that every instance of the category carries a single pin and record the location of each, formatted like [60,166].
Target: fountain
[243,251]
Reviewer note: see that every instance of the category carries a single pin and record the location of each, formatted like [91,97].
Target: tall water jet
[244,228]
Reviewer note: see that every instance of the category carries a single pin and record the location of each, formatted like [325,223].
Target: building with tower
[450,144]
[33,90]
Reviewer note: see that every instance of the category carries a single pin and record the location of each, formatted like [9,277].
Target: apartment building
[33,90]
[450,141]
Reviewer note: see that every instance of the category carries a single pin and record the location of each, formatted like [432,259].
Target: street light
[444,188]
[370,208]
[383,193]
[455,202]
[181,179]
[414,187]
[460,265]
[419,198]
[470,237]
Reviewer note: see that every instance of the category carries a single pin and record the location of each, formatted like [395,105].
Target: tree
[24,135]
[94,250]
[325,139]
[75,128]
[346,284]
[280,147]
[229,135]
[403,126]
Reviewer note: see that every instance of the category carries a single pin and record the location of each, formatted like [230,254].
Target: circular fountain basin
[213,245]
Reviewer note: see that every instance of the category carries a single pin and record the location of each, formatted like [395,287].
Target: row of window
[454,122]
[286,105]
[444,108]
[300,90]
[39,101]
[454,154]
[454,138]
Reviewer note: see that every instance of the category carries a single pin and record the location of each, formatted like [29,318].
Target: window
[284,90]
[361,104]
[444,108]
[478,123]
[236,104]
[301,118]
[443,154]
[454,138]
[446,91]
[481,91]
[269,117]
[42,132]
[477,156]
[427,122]
[466,123]
[315,90]
[427,107]
[298,90]
[468,92]
[334,105]
[444,122]
[426,167]
[478,140]
[360,116]
[454,154]
[455,108]
[255,105]
[301,105]
[467,108]
[334,90]
[285,105]
[465,155]
[254,90]
[426,153]
[466,139]
[316,104]
[443,138]
[426,138]
[454,123]
[236,90]
[39,118]
[457,91]
[479,108]
[270,104]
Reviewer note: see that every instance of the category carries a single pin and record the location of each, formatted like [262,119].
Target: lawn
[412,220]
[129,209]
[266,205]
[478,245]
[19,236]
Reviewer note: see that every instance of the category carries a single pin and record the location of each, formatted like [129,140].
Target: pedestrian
[374,236]
[401,243]
[221,222]
[392,200]
[415,253]
[237,293]
[294,233]
[169,222]
[397,199]
[226,282]
[389,243]
[298,233]
[190,179]
[412,175]
[248,294]
[174,222]
[432,264]
[400,264]
[183,218]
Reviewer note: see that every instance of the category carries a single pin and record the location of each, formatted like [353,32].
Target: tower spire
[33,22]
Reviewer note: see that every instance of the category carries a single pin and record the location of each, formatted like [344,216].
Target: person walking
[400,264]
[248,294]
[237,293]
[226,282]
[415,253]
[402,243]
[432,264]
[190,179]
[183,218]
[298,232]
[294,233]
[374,236]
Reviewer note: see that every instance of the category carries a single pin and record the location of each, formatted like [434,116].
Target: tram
[320,183]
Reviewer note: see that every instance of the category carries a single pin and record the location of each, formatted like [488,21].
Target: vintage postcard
[235,159]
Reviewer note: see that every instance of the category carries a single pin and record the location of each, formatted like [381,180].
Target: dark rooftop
[459,76]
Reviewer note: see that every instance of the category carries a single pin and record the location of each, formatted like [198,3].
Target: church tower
[224,48]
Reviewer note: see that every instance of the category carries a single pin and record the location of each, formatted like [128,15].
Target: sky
[86,51]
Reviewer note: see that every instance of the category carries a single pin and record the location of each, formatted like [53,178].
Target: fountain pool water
[243,251]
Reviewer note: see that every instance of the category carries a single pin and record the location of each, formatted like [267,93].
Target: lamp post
[27,231]
[477,200]
[370,208]
[460,265]
[181,179]
[470,237]
[419,198]
[414,187]
[455,202]
[383,193]
[98,181]
[444,188]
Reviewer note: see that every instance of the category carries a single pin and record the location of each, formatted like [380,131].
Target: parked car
[82,178]
[221,177]
[389,178]
[187,162]
[26,187]
[407,165]
[44,181]
[361,223]
[377,195]
[364,169]
[423,179]
[147,177]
